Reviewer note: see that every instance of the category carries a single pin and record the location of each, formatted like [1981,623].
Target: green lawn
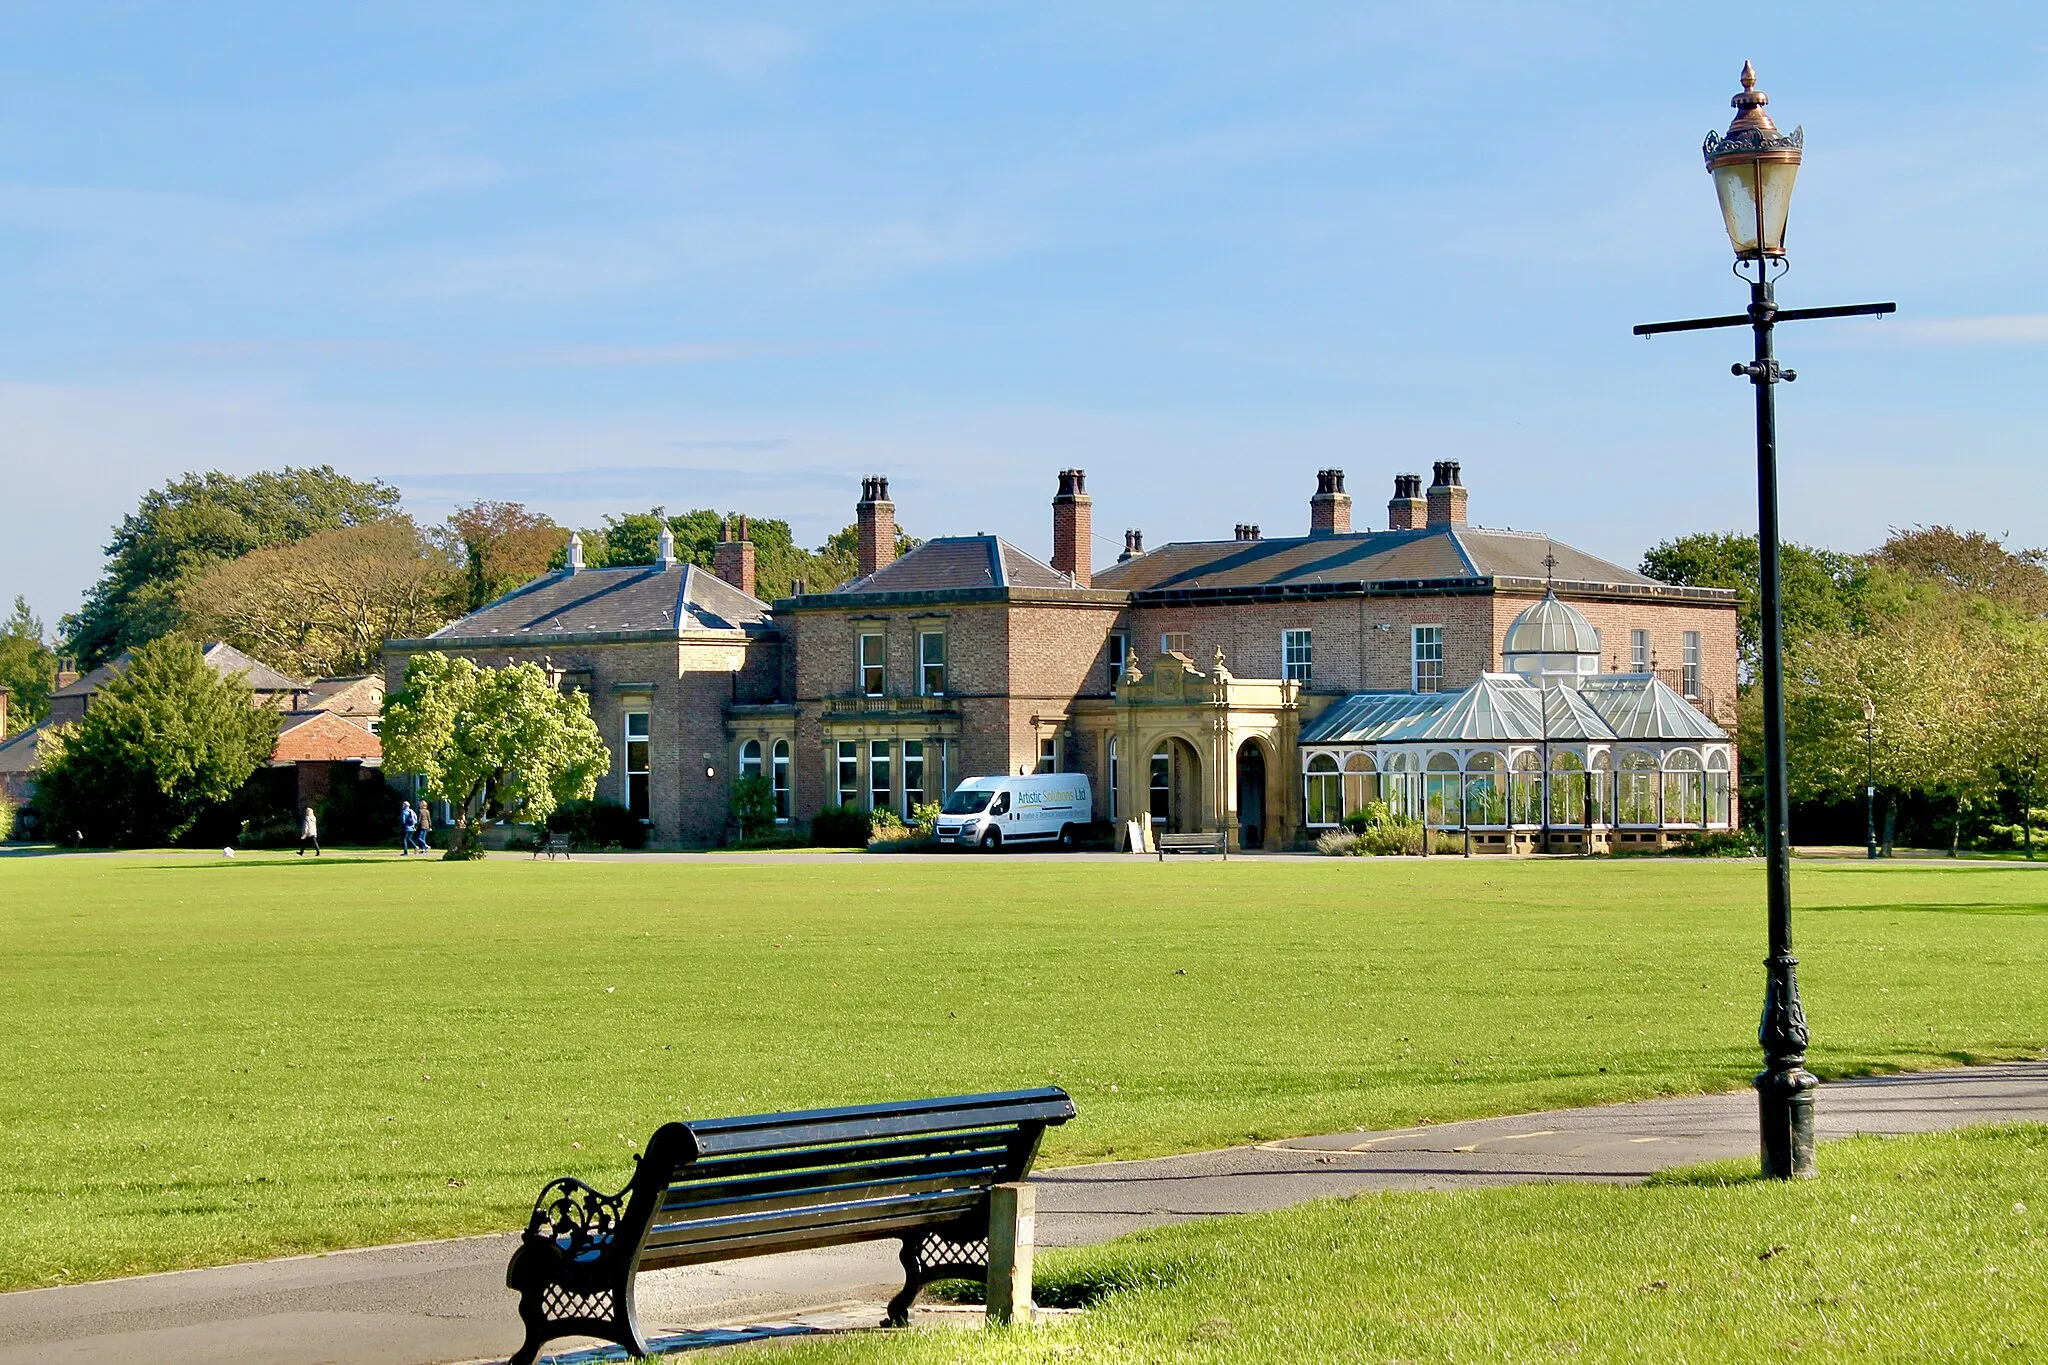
[209,1061]
[1905,1249]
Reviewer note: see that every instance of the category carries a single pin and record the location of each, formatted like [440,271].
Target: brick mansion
[1495,682]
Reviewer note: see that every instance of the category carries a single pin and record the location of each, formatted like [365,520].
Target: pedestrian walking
[408,827]
[426,826]
[309,833]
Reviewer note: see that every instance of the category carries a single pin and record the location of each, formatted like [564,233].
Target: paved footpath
[433,1302]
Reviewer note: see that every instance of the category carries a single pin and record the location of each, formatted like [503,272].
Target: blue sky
[604,256]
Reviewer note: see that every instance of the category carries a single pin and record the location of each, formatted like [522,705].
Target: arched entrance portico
[1251,794]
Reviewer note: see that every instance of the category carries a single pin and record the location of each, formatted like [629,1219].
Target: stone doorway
[1251,795]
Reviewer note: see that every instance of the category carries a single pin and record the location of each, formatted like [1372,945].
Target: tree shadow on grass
[324,860]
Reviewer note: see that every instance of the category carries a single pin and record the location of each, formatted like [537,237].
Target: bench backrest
[719,1188]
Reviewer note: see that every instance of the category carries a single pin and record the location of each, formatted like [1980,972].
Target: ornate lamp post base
[1784,1089]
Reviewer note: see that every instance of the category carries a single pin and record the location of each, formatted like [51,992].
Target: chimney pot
[1134,545]
[1446,497]
[1406,510]
[732,559]
[1329,511]
[1073,528]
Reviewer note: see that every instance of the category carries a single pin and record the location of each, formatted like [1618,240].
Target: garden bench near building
[943,1176]
[1212,841]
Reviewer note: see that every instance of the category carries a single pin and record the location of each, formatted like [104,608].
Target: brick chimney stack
[1073,527]
[1134,545]
[733,557]
[1329,511]
[1245,532]
[876,517]
[1446,496]
[1406,510]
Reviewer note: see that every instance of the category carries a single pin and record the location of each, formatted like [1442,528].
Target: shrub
[6,819]
[845,826]
[753,806]
[1390,838]
[1336,843]
[597,825]
[926,818]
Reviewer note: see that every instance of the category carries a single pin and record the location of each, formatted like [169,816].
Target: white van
[991,813]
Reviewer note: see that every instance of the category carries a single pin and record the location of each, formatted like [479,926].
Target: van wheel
[992,842]
[1067,837]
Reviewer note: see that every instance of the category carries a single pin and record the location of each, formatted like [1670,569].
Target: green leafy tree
[492,741]
[499,546]
[162,744]
[1818,587]
[28,668]
[753,806]
[202,519]
[325,605]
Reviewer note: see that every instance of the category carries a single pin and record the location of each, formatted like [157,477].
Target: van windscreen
[964,802]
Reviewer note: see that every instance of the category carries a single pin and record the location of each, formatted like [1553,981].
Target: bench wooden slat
[712,1169]
[819,1196]
[822,1126]
[730,1249]
[933,1204]
[681,1199]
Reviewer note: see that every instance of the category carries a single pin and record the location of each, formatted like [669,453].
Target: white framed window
[1639,651]
[639,764]
[1295,656]
[913,776]
[880,784]
[849,772]
[1119,654]
[874,663]
[1427,652]
[750,759]
[1689,659]
[931,663]
[1323,790]
[1178,642]
[1111,767]
[1048,753]
[778,766]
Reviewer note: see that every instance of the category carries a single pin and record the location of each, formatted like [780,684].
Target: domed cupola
[1552,644]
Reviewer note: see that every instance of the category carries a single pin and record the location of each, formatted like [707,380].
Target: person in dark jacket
[409,825]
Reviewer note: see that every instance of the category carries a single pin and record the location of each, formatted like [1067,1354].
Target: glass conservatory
[1552,756]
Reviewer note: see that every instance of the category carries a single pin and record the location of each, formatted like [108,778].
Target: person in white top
[309,833]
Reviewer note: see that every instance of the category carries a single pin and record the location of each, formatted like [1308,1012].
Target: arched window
[1325,792]
[1567,788]
[750,759]
[1443,799]
[1525,791]
[1110,767]
[1636,789]
[1600,789]
[1685,801]
[1486,797]
[779,765]
[1399,786]
[1361,783]
[1717,789]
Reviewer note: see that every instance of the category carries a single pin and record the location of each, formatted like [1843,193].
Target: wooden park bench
[940,1175]
[1212,841]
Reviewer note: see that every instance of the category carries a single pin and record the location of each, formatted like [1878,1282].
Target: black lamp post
[1870,778]
[1753,166]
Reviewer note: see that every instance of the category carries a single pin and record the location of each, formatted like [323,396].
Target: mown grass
[1920,1248]
[209,1061]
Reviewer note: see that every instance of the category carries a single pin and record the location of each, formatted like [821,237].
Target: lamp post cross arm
[1847,310]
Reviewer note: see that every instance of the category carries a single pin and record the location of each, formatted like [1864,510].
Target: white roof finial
[668,546]
[575,552]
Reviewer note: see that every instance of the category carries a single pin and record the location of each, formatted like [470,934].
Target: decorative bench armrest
[573,1225]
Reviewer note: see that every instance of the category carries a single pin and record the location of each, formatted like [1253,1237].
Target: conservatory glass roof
[1503,707]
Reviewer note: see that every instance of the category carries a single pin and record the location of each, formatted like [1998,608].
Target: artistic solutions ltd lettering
[1067,797]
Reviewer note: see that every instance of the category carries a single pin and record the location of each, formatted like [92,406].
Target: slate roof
[640,599]
[223,659]
[362,695]
[1365,557]
[18,753]
[961,562]
[1505,708]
